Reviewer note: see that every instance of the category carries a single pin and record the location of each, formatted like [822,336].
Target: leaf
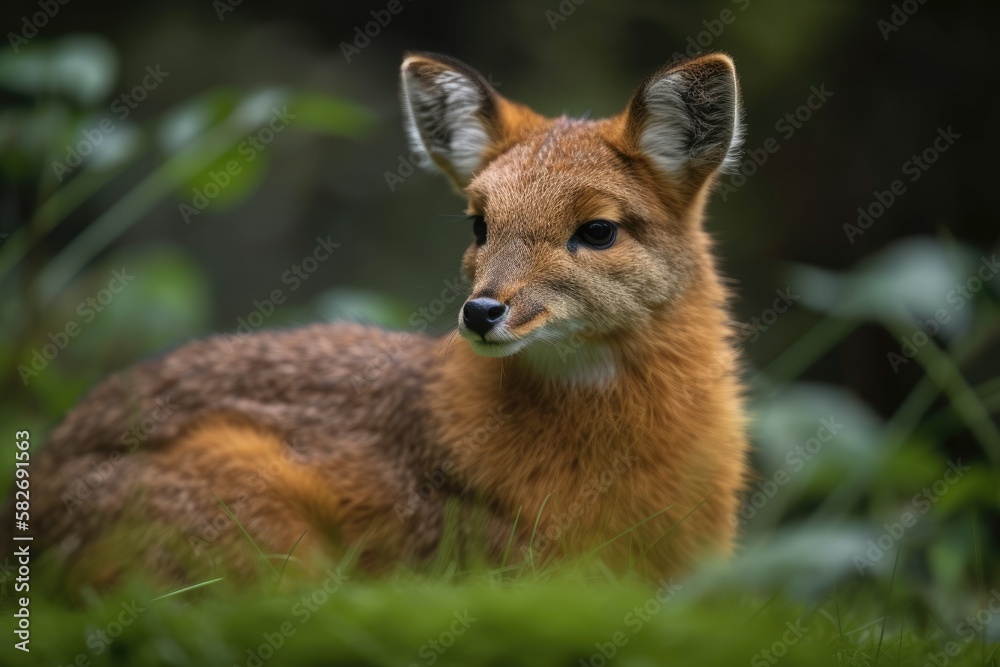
[917,276]
[330,115]
[83,68]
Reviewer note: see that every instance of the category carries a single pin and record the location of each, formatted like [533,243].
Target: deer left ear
[686,119]
[452,114]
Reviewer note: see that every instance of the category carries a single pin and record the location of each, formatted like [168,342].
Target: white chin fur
[496,350]
[589,364]
[561,359]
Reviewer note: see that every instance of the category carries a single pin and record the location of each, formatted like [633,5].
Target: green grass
[341,617]
[788,599]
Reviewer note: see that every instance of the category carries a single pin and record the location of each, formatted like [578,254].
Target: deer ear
[452,114]
[686,119]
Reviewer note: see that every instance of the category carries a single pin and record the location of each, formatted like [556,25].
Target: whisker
[449,340]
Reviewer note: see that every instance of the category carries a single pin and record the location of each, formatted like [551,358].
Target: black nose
[483,314]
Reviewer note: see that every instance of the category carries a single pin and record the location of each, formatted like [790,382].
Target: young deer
[595,392]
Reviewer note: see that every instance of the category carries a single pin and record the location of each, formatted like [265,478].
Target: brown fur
[636,411]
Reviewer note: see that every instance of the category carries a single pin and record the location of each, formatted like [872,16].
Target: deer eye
[479,228]
[598,234]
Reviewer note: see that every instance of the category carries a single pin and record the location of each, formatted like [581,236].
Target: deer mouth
[500,341]
[509,337]
[496,350]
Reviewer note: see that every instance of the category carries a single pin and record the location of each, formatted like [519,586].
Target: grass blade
[669,530]
[256,549]
[629,530]
[289,556]
[187,588]
[510,542]
[885,616]
[531,542]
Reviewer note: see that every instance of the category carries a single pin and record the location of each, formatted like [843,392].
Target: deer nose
[483,314]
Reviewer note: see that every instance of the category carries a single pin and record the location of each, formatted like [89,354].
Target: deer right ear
[686,119]
[452,114]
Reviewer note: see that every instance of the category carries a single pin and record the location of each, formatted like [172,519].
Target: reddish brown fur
[297,433]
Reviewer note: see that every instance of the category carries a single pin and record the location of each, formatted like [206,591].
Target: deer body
[595,391]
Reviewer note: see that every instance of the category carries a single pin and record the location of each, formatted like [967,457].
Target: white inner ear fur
[670,132]
[734,153]
[441,120]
